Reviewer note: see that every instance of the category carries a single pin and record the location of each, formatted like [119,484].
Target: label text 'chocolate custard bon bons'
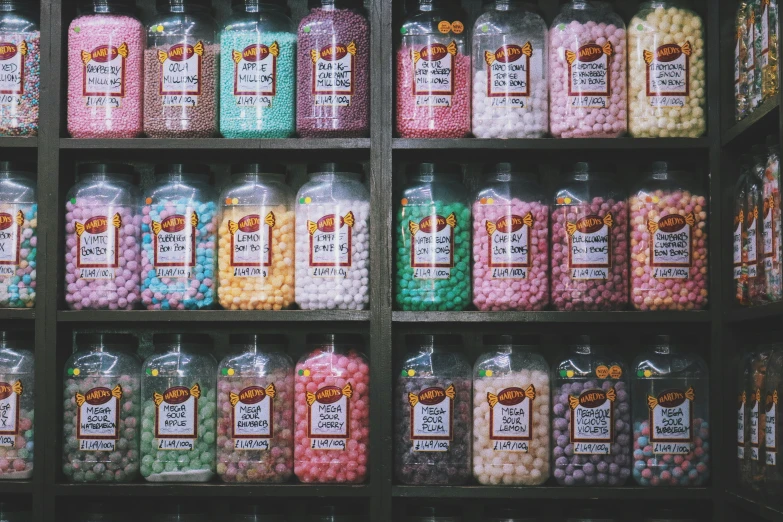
[252,422]
[671,421]
[98,418]
[176,417]
[328,413]
[432,413]
[590,247]
[511,418]
[592,421]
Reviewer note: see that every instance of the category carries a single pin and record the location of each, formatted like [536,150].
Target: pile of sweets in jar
[529,293]
[121,290]
[274,292]
[691,469]
[349,292]
[595,122]
[773,234]
[317,30]
[672,26]
[20,118]
[181,121]
[120,465]
[274,464]
[321,369]
[572,294]
[18,290]
[649,292]
[180,293]
[511,467]
[86,34]
[241,120]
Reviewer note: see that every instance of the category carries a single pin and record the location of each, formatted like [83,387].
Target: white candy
[502,122]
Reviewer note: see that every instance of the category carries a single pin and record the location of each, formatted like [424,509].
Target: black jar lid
[122,169]
[511,340]
[258,168]
[105,339]
[330,168]
[258,339]
[432,340]
[343,339]
[185,5]
[15,337]
[181,338]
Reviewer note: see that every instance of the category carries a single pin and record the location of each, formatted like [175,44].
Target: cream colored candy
[666,73]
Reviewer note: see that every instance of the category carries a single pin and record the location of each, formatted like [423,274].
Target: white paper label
[97,254]
[333,67]
[508,75]
[671,417]
[589,75]
[741,421]
[768,231]
[765,36]
[755,432]
[251,252]
[10,395]
[104,75]
[770,433]
[174,244]
[508,244]
[98,418]
[432,246]
[433,74]
[180,70]
[176,417]
[592,421]
[432,411]
[12,72]
[328,413]
[510,418]
[331,245]
[252,417]
[255,75]
[10,242]
[752,241]
[668,75]
[670,249]
[590,247]
[737,250]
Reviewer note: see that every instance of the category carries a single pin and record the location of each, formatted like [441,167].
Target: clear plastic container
[669,232]
[769,49]
[433,240]
[433,513]
[433,413]
[591,421]
[433,72]
[256,239]
[18,235]
[743,423]
[510,241]
[756,39]
[179,227]
[102,398]
[754,221]
[333,71]
[671,417]
[667,82]
[774,386]
[589,243]
[105,87]
[257,71]
[179,410]
[20,60]
[256,402]
[744,262]
[253,513]
[511,413]
[772,225]
[103,239]
[181,71]
[333,239]
[192,511]
[755,414]
[744,61]
[17,389]
[510,92]
[587,68]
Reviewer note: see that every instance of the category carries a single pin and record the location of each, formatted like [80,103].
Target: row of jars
[257,77]
[755,55]
[585,76]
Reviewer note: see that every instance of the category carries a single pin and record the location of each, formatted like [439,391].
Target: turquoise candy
[429,287]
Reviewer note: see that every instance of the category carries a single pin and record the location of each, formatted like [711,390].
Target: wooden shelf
[763,120]
[755,506]
[212,489]
[292,144]
[17,314]
[16,487]
[552,144]
[755,313]
[551,317]
[549,492]
[210,316]
[22,143]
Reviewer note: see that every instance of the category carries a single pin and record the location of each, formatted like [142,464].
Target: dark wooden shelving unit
[550,144]
[289,144]
[551,317]
[551,492]
[212,490]
[209,316]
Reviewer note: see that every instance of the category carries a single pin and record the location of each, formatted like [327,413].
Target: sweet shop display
[17,389]
[772,432]
[744,235]
[18,235]
[755,413]
[769,49]
[744,61]
[743,425]
[772,224]
[758,40]
[20,59]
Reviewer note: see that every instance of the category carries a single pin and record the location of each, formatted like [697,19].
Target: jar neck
[431,5]
[664,349]
[433,178]
[507,5]
[334,176]
[259,7]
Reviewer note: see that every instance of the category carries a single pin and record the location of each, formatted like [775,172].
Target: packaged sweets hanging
[755,416]
[744,61]
[21,61]
[17,387]
[747,244]
[743,424]
[754,220]
[18,235]
[772,225]
[758,40]
[769,48]
[772,432]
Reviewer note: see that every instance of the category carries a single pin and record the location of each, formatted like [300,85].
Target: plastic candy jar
[105,46]
[329,513]
[241,512]
[772,433]
[332,411]
[101,389]
[772,225]
[256,240]
[103,239]
[178,236]
[178,394]
[17,389]
[333,71]
[756,39]
[18,235]
[256,419]
[432,404]
[510,98]
[181,71]
[587,84]
[743,440]
[755,413]
[433,240]
[511,413]
[510,241]
[769,48]
[754,227]
[671,417]
[257,71]
[666,78]
[744,61]
[589,243]
[741,268]
[433,513]
[20,59]
[591,422]
[333,239]
[669,257]
[433,72]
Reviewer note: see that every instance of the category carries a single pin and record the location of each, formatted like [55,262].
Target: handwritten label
[671,418]
[508,242]
[668,75]
[255,75]
[510,418]
[174,244]
[252,417]
[592,421]
[251,251]
[12,72]
[433,74]
[104,75]
[432,412]
[327,417]
[770,427]
[671,247]
[508,75]
[98,418]
[589,77]
[180,74]
[590,247]
[176,417]
[10,395]
[97,254]
[432,246]
[333,81]
[331,245]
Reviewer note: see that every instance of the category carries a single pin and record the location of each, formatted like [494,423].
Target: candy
[757,39]
[337,105]
[19,109]
[772,433]
[753,238]
[769,43]
[773,233]
[690,470]
[744,61]
[19,215]
[666,77]
[17,378]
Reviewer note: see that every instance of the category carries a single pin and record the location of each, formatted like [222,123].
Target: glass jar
[591,416]
[179,211]
[671,417]
[774,385]
[17,389]
[105,48]
[103,239]
[178,394]
[256,239]
[511,514]
[333,239]
[744,61]
[254,513]
[332,411]
[257,71]
[741,268]
[667,82]
[773,233]
[329,513]
[743,440]
[432,404]
[669,256]
[181,71]
[756,38]
[754,220]
[256,402]
[756,394]
[587,47]
[434,513]
[433,72]
[509,72]
[433,240]
[769,49]
[102,406]
[589,209]
[19,217]
[511,413]
[510,241]
[333,71]
[21,60]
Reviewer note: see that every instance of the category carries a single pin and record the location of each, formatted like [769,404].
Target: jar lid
[342,4]
[336,338]
[428,169]
[328,513]
[425,340]
[18,5]
[105,168]
[511,340]
[327,168]
[438,3]
[17,166]
[434,513]
[181,338]
[182,168]
[13,336]
[104,339]
[507,167]
[99,5]
[592,341]
[258,168]
[247,3]
[590,168]
[258,339]
[163,5]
